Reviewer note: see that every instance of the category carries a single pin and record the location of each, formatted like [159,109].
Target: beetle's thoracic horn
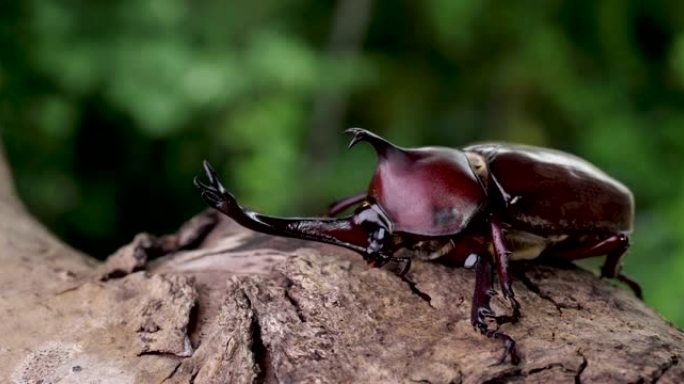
[380,144]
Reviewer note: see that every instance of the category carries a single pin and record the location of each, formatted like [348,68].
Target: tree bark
[215,303]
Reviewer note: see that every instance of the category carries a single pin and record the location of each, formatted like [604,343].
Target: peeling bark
[215,303]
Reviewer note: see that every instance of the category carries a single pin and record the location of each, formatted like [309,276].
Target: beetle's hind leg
[615,247]
[481,309]
[612,265]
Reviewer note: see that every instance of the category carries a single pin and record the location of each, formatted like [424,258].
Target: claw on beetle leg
[213,177]
[405,268]
[378,260]
[509,345]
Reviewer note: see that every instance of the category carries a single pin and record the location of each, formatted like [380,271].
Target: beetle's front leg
[376,252]
[500,255]
[481,310]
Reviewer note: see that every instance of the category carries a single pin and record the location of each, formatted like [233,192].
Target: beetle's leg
[348,202]
[481,310]
[631,283]
[375,255]
[612,266]
[501,254]
[614,247]
[405,267]
[379,259]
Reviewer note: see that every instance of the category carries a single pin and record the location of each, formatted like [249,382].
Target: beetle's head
[430,191]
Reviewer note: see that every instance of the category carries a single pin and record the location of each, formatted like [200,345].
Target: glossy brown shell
[553,192]
[427,191]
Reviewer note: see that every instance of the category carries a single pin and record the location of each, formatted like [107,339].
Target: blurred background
[108,108]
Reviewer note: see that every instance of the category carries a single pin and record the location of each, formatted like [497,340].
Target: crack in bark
[259,350]
[504,376]
[534,288]
[156,353]
[175,369]
[295,304]
[582,367]
[414,289]
[193,323]
[193,377]
[673,361]
[547,367]
[456,380]
[73,288]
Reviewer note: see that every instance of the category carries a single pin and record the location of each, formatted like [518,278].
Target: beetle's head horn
[380,144]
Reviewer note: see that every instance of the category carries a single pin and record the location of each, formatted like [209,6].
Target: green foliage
[108,108]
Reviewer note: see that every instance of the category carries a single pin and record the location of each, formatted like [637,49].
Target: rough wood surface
[220,304]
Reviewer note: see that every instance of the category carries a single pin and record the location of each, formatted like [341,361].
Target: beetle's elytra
[479,206]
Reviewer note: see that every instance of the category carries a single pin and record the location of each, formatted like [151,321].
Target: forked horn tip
[359,134]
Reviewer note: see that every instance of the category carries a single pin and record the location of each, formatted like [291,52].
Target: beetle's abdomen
[553,192]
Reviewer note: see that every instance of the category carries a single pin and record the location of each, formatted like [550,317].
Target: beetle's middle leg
[481,310]
[501,254]
[340,205]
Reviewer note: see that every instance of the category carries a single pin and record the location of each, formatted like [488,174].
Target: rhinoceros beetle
[477,207]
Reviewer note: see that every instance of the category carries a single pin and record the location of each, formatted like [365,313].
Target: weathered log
[219,304]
